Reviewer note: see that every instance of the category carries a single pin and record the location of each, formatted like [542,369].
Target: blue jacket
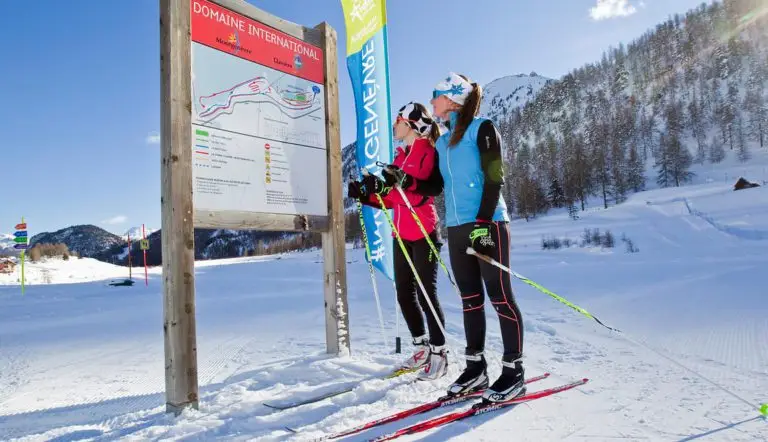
[469,196]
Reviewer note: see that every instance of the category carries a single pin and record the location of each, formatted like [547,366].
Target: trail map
[258,131]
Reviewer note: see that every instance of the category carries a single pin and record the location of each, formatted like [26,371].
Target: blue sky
[80,85]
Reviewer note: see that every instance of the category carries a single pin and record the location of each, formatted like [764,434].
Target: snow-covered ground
[85,361]
[58,271]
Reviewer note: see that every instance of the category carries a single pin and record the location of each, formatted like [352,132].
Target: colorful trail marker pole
[21,239]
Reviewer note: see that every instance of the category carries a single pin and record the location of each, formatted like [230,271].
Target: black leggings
[409,294]
[470,273]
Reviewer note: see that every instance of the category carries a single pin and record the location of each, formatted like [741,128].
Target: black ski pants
[409,295]
[470,273]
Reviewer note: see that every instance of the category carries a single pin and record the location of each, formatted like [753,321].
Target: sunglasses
[437,93]
[405,120]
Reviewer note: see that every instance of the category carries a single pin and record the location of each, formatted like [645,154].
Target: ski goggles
[436,93]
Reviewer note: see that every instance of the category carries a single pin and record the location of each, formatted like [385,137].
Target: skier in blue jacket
[476,215]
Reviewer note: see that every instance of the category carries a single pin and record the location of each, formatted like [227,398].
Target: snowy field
[80,360]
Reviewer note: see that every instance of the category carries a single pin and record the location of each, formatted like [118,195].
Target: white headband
[456,88]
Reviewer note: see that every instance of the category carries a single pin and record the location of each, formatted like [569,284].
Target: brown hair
[467,112]
[434,133]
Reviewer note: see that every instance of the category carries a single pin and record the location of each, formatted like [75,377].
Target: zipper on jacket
[453,191]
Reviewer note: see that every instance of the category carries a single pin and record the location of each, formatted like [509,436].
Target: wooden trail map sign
[250,140]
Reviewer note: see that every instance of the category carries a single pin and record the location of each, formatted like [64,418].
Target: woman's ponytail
[434,133]
[467,112]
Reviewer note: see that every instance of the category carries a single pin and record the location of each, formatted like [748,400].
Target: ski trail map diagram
[258,117]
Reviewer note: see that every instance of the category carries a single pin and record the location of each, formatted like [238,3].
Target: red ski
[423,408]
[477,409]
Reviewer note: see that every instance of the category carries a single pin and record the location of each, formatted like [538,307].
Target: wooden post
[177,236]
[334,246]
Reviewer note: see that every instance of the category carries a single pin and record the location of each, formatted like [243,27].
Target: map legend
[268,172]
[201,149]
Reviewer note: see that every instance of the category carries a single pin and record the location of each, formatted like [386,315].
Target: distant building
[7,265]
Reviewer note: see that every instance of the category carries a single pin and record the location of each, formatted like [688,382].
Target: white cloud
[605,9]
[119,219]
[153,138]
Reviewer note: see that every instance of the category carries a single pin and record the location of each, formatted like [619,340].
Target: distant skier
[415,165]
[476,215]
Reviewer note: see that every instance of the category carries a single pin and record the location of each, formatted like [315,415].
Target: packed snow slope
[85,361]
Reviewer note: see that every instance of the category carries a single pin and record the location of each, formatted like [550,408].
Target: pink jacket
[417,161]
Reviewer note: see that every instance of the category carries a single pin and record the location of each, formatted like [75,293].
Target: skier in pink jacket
[415,165]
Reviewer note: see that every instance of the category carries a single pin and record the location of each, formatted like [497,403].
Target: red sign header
[227,31]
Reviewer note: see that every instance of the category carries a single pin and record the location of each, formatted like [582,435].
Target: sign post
[130,265]
[21,240]
[144,247]
[250,140]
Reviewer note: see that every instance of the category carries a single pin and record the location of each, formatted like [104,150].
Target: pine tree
[716,150]
[647,130]
[674,159]
[728,115]
[743,153]
[577,171]
[680,161]
[635,171]
[540,197]
[754,101]
[698,128]
[573,211]
[619,186]
[523,184]
[556,195]
[662,163]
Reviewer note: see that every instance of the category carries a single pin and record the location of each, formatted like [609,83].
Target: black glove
[356,190]
[481,240]
[394,175]
[374,184]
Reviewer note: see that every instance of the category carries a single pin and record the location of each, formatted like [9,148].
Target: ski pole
[762,408]
[423,231]
[413,268]
[370,268]
[539,287]
[426,236]
[398,344]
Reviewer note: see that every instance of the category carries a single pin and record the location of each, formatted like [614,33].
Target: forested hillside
[693,90]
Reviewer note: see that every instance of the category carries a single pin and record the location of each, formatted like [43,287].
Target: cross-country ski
[441,402]
[336,391]
[476,410]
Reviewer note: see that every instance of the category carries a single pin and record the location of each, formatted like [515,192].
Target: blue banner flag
[368,66]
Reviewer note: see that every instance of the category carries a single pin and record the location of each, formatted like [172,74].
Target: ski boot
[509,385]
[474,378]
[419,358]
[437,365]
